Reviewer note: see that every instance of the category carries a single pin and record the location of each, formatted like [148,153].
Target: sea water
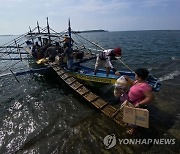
[41,114]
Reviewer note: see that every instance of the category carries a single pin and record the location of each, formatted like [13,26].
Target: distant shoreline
[90,31]
[7,35]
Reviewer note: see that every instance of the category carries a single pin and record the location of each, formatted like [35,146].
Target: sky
[113,15]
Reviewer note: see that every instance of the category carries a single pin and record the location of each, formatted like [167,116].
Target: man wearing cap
[104,59]
[67,42]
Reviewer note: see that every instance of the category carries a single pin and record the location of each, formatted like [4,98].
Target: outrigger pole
[17,45]
[14,75]
[30,71]
[124,64]
[92,42]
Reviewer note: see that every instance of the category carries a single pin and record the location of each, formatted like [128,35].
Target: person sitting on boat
[104,59]
[35,50]
[28,42]
[78,54]
[68,54]
[140,93]
[51,52]
[59,48]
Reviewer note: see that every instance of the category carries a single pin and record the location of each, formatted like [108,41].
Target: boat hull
[87,74]
[93,78]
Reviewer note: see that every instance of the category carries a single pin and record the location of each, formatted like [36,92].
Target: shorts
[101,63]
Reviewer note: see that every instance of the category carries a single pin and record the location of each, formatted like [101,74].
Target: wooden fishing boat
[80,71]
[85,73]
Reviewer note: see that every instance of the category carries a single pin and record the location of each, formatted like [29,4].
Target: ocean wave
[170,76]
[175,59]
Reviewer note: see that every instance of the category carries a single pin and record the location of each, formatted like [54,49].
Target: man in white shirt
[104,59]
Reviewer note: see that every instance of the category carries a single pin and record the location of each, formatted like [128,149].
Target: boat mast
[48,30]
[69,31]
[31,34]
[39,33]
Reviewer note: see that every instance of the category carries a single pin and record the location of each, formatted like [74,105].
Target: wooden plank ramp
[96,101]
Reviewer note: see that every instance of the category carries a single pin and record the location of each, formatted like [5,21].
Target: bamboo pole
[48,30]
[31,34]
[39,33]
[14,75]
[124,64]
[18,50]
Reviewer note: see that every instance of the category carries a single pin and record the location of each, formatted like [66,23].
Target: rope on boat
[124,64]
[83,47]
[104,49]
[91,42]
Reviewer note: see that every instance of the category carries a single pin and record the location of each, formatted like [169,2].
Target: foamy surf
[170,76]
[175,59]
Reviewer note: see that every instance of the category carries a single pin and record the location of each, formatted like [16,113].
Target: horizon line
[110,31]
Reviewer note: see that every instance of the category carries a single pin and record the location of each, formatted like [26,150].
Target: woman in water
[140,93]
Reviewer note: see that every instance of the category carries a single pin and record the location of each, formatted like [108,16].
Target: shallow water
[41,114]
